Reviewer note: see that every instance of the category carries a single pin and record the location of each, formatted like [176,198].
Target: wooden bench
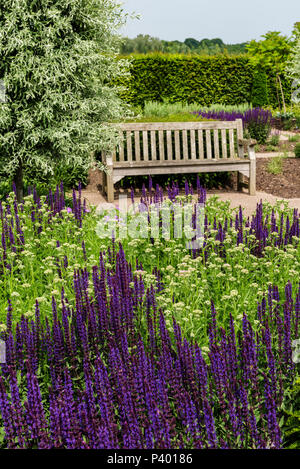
[180,147]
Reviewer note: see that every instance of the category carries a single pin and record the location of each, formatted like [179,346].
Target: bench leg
[239,181]
[110,187]
[252,179]
[110,179]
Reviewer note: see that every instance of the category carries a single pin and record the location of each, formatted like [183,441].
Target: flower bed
[145,343]
[256,121]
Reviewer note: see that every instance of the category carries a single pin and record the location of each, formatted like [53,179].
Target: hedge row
[206,80]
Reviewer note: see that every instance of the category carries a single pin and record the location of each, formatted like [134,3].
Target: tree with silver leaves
[293,69]
[57,62]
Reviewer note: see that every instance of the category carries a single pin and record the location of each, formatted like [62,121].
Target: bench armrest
[103,157]
[249,142]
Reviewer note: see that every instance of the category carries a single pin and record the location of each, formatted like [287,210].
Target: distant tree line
[144,44]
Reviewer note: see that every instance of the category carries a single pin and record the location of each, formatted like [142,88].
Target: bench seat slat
[144,164]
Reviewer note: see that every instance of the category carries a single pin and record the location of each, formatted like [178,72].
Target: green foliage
[142,44]
[259,95]
[56,60]
[275,165]
[178,117]
[227,107]
[192,43]
[69,172]
[295,110]
[145,44]
[293,70]
[291,408]
[288,124]
[259,130]
[297,150]
[206,80]
[158,109]
[294,138]
[274,140]
[185,297]
[271,54]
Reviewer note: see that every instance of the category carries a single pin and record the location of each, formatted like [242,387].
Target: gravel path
[93,195]
[236,199]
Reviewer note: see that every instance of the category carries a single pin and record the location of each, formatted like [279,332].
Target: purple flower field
[103,361]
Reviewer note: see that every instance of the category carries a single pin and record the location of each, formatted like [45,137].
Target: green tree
[57,61]
[191,43]
[296,29]
[272,54]
[259,94]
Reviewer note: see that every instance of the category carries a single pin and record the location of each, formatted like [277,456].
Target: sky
[234,21]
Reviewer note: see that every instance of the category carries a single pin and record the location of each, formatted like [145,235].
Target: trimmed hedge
[259,96]
[206,80]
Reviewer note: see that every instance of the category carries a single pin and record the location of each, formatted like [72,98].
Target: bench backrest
[176,141]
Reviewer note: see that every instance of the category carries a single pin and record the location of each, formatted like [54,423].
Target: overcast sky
[233,21]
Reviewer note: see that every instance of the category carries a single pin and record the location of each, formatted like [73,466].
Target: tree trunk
[278,99]
[282,94]
[19,182]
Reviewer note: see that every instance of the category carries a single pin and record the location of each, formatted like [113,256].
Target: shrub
[297,150]
[294,138]
[203,79]
[155,108]
[257,121]
[58,103]
[274,140]
[259,95]
[275,165]
[291,408]
[288,124]
[68,172]
[101,362]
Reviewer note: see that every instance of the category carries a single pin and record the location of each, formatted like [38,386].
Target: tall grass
[164,109]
